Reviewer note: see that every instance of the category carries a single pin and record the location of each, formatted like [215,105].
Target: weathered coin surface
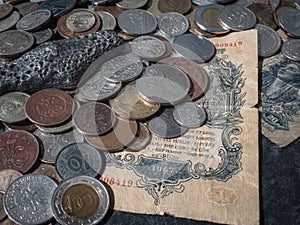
[12,107]
[26,7]
[131,4]
[7,176]
[81,20]
[108,20]
[182,6]
[112,9]
[27,200]
[58,7]
[19,150]
[173,23]
[79,159]
[2,212]
[5,10]
[47,170]
[289,21]
[9,21]
[42,36]
[291,49]
[264,14]
[25,125]
[89,192]
[34,20]
[142,139]
[58,128]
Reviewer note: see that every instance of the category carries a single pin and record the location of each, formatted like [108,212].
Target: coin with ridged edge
[289,20]
[9,21]
[182,6]
[58,7]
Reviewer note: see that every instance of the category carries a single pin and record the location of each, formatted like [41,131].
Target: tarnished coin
[80,200]
[61,128]
[81,20]
[19,150]
[27,200]
[269,41]
[49,107]
[291,49]
[15,42]
[7,176]
[2,212]
[108,20]
[194,47]
[47,170]
[173,24]
[58,7]
[123,134]
[12,107]
[163,125]
[131,4]
[5,10]
[79,159]
[26,7]
[130,105]
[9,21]
[264,14]
[182,6]
[137,22]
[289,21]
[34,20]
[142,139]
[25,125]
[42,36]
[8,222]
[94,118]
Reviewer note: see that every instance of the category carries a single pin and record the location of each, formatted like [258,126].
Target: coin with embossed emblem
[291,49]
[58,7]
[142,139]
[47,170]
[19,150]
[34,20]
[27,200]
[173,23]
[42,36]
[80,200]
[7,176]
[5,10]
[9,21]
[108,20]
[289,20]
[182,6]
[2,212]
[131,4]
[264,14]
[81,20]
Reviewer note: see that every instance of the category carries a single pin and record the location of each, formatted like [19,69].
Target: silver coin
[244,3]
[289,20]
[57,129]
[12,107]
[137,22]
[237,17]
[9,21]
[34,20]
[27,200]
[173,23]
[80,21]
[291,49]
[79,159]
[269,41]
[274,3]
[108,20]
[189,115]
[58,7]
[26,7]
[204,2]
[194,47]
[52,144]
[131,4]
[42,36]
[78,203]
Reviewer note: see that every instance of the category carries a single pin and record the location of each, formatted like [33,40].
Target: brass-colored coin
[80,201]
[7,176]
[125,36]
[5,10]
[47,170]
[129,104]
[264,14]
[142,139]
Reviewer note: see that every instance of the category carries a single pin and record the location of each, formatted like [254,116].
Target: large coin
[58,7]
[289,21]
[80,200]
[182,6]
[9,21]
[131,4]
[26,8]
[7,176]
[173,24]
[34,20]
[81,20]
[5,10]
[291,49]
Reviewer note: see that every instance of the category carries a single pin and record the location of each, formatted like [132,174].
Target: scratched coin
[2,212]
[9,21]
[58,7]
[173,24]
[80,21]
[182,6]
[289,20]
[34,20]
[108,20]
[47,170]
[7,176]
[20,150]
[89,192]
[5,10]
[27,200]
[291,49]
[142,139]
[131,4]
[42,36]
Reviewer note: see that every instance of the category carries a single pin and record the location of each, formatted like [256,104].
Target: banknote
[209,173]
[280,99]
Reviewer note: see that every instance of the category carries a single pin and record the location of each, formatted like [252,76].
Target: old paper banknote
[209,173]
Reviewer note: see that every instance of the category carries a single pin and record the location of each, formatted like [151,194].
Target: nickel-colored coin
[131,4]
[9,21]
[130,105]
[5,10]
[94,118]
[123,134]
[12,107]
[182,6]
[34,20]
[79,159]
[58,7]
[19,150]
[47,170]
[26,7]
[291,49]
[7,176]
[108,20]
[289,21]
[244,3]
[173,24]
[264,14]
[42,36]
[80,200]
[49,107]
[142,139]
[61,128]
[27,200]
[2,212]
[80,21]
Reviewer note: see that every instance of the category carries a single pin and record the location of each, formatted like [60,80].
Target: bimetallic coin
[79,159]
[142,139]
[58,7]
[173,23]
[47,170]
[12,107]
[131,4]
[89,192]
[289,20]
[108,20]
[2,212]
[291,49]
[182,6]
[264,14]
[80,20]
[7,176]
[9,21]
[42,36]
[5,10]
[27,200]
[34,20]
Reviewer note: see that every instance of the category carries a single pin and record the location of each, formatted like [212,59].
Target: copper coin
[112,9]
[182,6]
[7,176]
[264,14]
[122,135]
[198,76]
[142,139]
[19,150]
[94,118]
[2,212]
[5,10]
[47,170]
[49,107]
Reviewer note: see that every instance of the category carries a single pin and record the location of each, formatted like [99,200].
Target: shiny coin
[7,176]
[2,212]
[26,8]
[173,24]
[5,10]
[108,20]
[20,150]
[94,118]
[47,170]
[9,21]
[131,4]
[289,21]
[194,47]
[79,159]
[27,200]
[81,21]
[12,107]
[58,128]
[130,105]
[15,42]
[269,41]
[42,36]
[163,125]
[34,20]
[137,22]
[123,134]
[264,14]
[142,139]
[291,49]
[182,6]
[89,192]
[58,7]
[49,107]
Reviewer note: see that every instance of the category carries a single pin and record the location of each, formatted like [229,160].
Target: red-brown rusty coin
[49,107]
[7,176]
[19,150]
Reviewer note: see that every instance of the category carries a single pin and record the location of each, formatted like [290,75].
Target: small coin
[173,23]
[142,139]
[34,20]
[12,107]
[58,7]
[26,8]
[79,159]
[7,176]
[42,36]
[80,21]
[264,14]
[25,125]
[123,134]
[291,49]
[93,198]
[61,128]
[20,150]
[163,125]
[108,20]
[182,6]
[94,118]
[47,170]
[289,21]
[131,4]
[9,21]
[28,199]
[2,212]
[5,10]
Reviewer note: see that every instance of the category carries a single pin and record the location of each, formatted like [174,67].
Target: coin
[94,118]
[42,36]
[244,3]
[182,6]
[9,21]
[58,7]
[289,21]
[89,192]
[47,170]
[7,176]
[19,150]
[291,49]
[27,200]
[131,4]
[122,135]
[137,22]
[2,212]
[12,107]
[81,20]
[34,20]
[5,10]
[142,139]
[49,107]
[129,104]
[15,42]
[108,20]
[26,8]
[173,23]
[25,125]
[264,14]
[112,9]
[68,125]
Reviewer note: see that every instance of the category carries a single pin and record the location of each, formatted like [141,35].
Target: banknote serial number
[116,181]
[229,44]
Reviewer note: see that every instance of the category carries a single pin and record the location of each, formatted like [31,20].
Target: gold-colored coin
[5,10]
[154,8]
[130,105]
[125,36]
[143,138]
